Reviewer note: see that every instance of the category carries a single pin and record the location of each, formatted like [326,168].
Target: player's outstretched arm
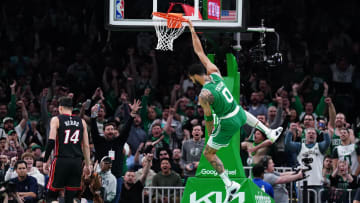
[210,67]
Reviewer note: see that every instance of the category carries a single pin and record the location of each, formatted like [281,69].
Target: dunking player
[69,137]
[217,97]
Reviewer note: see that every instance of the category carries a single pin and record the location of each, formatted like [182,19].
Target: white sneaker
[275,134]
[231,191]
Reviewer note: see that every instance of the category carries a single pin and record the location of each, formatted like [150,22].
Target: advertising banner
[214,9]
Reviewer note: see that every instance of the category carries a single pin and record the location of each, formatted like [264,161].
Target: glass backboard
[206,15]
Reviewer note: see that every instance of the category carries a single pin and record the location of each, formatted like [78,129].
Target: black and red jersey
[69,136]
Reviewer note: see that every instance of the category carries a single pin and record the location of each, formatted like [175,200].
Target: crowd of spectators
[50,49]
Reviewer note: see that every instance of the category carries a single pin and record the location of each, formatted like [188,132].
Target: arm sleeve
[179,182]
[335,154]
[357,149]
[33,188]
[178,131]
[10,173]
[143,110]
[271,191]
[12,106]
[183,160]
[112,190]
[126,112]
[298,105]
[155,181]
[320,108]
[290,145]
[49,147]
[94,130]
[125,132]
[324,145]
[270,178]
[277,121]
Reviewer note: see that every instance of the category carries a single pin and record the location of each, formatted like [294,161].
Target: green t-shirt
[224,102]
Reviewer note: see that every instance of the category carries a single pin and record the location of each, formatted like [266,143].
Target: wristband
[209,118]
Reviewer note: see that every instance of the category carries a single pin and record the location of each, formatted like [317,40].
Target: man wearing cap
[108,180]
[68,135]
[111,145]
[132,189]
[36,151]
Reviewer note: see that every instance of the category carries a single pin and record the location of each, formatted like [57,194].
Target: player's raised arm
[210,67]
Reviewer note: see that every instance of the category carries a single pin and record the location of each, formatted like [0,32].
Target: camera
[306,161]
[147,149]
[7,187]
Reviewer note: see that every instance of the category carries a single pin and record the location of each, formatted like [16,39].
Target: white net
[167,32]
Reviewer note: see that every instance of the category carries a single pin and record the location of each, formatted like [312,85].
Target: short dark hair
[66,102]
[312,116]
[263,134]
[161,160]
[19,162]
[164,149]
[38,160]
[156,124]
[327,157]
[197,69]
[196,125]
[109,123]
[265,161]
[131,170]
[258,170]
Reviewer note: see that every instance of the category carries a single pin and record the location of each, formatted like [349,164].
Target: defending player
[217,97]
[69,137]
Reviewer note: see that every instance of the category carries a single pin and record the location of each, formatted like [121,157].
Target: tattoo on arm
[206,96]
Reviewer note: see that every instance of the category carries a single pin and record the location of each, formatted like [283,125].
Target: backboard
[209,15]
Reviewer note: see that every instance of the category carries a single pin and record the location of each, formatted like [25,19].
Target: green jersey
[224,102]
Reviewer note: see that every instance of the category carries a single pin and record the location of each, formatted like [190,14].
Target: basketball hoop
[168,27]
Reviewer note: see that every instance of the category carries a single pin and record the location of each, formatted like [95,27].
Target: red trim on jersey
[51,177]
[69,114]
[72,188]
[56,146]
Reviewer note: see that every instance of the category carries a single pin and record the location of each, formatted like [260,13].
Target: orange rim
[173,16]
[174,20]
